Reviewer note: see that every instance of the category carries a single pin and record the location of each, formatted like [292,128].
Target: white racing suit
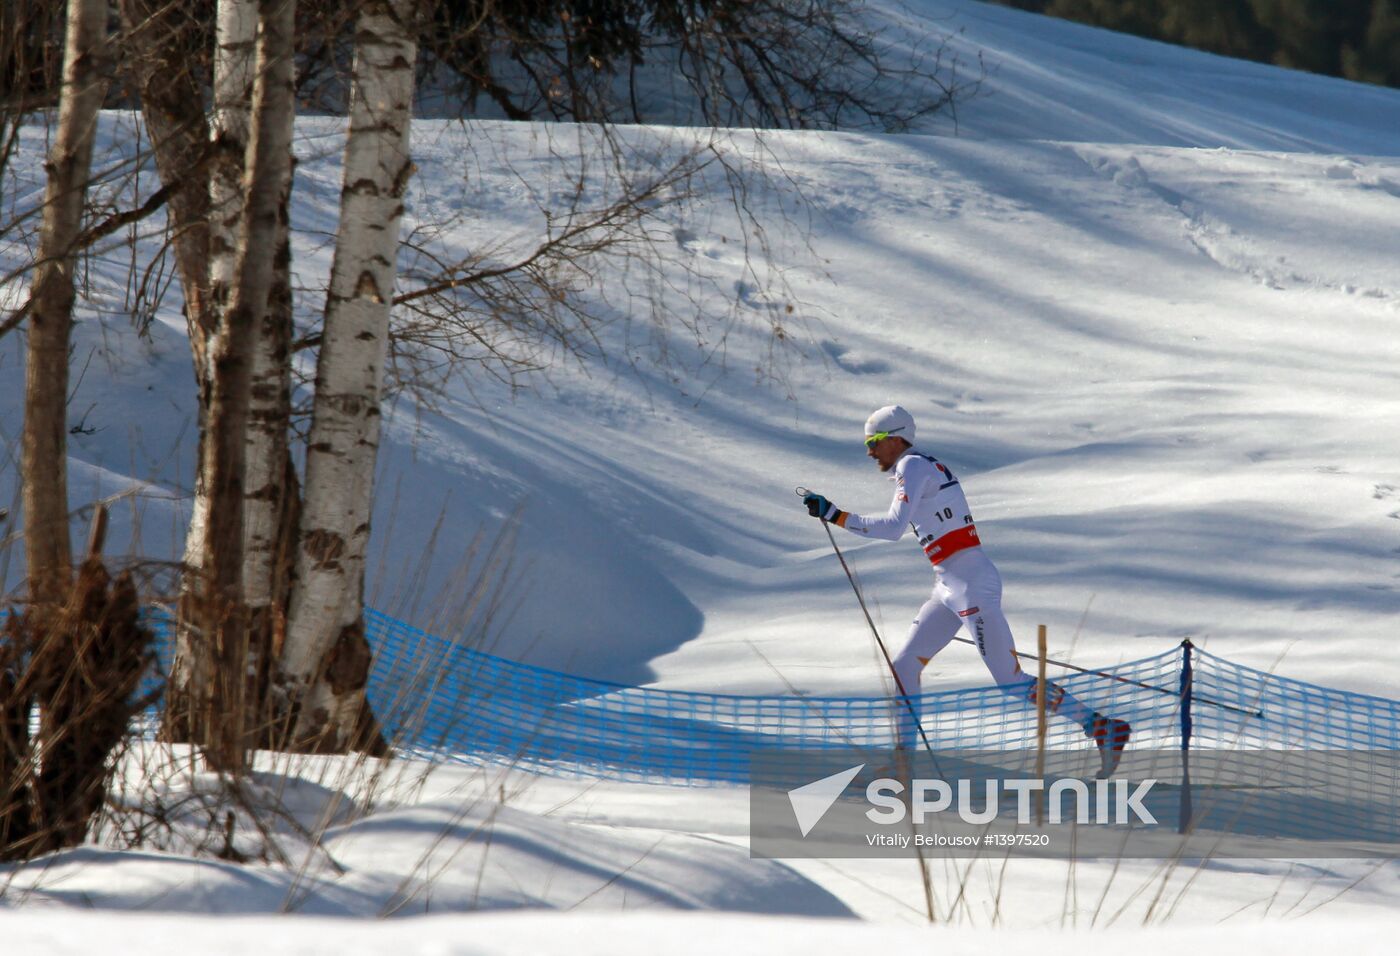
[966,590]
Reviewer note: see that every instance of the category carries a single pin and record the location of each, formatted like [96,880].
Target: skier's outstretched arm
[909,487]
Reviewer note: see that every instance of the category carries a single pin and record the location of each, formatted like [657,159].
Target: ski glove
[819,507]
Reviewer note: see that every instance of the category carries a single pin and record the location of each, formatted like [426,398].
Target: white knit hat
[893,420]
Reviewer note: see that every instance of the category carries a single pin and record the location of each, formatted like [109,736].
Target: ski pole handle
[802,492]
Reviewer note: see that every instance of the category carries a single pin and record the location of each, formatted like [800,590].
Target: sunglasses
[876,438]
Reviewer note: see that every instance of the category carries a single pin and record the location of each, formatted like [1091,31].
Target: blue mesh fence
[439,697]
[1301,761]
[1321,759]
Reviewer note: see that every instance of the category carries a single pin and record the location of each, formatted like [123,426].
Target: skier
[967,587]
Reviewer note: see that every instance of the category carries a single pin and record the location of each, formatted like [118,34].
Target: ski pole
[900,764]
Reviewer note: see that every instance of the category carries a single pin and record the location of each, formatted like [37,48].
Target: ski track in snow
[1228,248]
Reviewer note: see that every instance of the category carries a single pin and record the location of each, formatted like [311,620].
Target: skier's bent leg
[931,631]
[1109,734]
[971,586]
[993,636]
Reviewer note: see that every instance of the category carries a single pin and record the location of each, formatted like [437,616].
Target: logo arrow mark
[811,801]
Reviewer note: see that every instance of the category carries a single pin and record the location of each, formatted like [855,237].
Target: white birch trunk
[44,465]
[234,70]
[270,392]
[325,660]
[270,496]
[267,172]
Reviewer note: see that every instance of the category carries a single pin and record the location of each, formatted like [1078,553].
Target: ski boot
[1111,736]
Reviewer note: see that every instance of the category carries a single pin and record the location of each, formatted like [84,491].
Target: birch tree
[269,410]
[270,496]
[222,725]
[44,467]
[236,24]
[326,658]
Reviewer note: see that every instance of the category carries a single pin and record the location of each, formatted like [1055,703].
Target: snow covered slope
[1053,79]
[1160,356]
